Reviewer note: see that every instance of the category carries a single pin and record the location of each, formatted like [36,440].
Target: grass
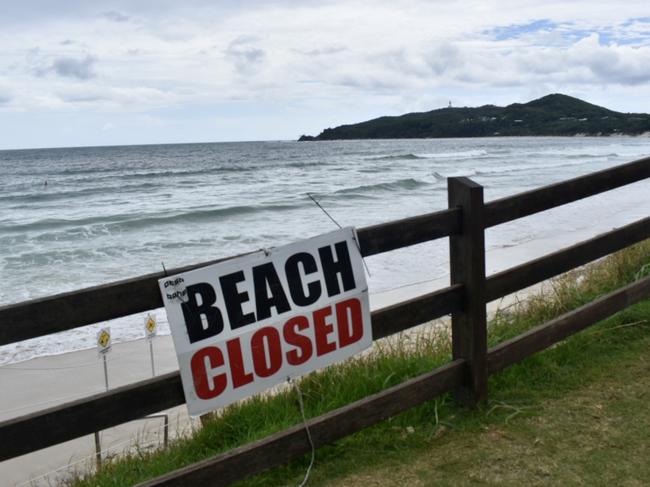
[521,434]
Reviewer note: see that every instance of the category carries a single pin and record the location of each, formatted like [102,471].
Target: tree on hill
[553,114]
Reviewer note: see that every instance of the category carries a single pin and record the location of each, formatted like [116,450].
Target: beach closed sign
[246,324]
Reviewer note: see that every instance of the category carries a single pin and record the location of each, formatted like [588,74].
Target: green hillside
[550,115]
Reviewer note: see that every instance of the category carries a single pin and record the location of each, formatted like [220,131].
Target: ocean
[77,217]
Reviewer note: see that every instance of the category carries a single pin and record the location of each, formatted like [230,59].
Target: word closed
[246,324]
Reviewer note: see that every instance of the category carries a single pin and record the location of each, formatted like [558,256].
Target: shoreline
[642,135]
[497,259]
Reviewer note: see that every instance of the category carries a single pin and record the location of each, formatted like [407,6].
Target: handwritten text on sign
[246,324]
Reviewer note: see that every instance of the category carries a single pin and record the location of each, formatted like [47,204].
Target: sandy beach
[48,381]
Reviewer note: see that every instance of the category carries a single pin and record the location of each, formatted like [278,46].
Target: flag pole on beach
[103,347]
[105,372]
[150,331]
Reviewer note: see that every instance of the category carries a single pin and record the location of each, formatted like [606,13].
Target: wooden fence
[464,222]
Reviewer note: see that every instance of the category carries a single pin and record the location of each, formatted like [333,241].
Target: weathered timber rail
[464,222]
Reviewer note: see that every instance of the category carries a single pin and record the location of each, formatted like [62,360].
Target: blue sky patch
[639,20]
[515,31]
[570,34]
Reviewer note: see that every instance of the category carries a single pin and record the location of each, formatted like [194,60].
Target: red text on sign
[270,347]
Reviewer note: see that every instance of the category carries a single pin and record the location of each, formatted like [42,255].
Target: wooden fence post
[467,267]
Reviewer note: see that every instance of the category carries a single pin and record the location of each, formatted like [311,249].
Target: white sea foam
[454,155]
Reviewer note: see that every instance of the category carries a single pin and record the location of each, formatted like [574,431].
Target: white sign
[247,324]
[150,326]
[104,340]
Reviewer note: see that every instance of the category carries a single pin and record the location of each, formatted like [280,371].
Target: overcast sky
[78,72]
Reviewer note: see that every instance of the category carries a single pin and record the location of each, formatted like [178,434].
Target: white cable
[78,366]
[63,399]
[47,474]
[381,291]
[304,420]
[103,452]
[86,458]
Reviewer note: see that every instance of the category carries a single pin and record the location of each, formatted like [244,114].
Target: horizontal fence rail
[543,336]
[409,231]
[82,417]
[325,429]
[556,263]
[85,416]
[512,207]
[38,317]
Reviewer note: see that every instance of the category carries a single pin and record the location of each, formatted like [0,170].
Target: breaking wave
[398,185]
[440,155]
[123,222]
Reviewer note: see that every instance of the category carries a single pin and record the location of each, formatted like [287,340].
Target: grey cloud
[324,51]
[246,57]
[81,98]
[613,64]
[74,68]
[421,65]
[621,72]
[443,58]
[586,62]
[41,65]
[376,82]
[35,61]
[31,11]
[115,16]
[399,62]
[243,40]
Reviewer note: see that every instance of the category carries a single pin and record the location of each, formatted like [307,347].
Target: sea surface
[72,218]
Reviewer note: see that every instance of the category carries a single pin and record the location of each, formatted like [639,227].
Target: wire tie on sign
[338,225]
[304,421]
[324,210]
[363,259]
